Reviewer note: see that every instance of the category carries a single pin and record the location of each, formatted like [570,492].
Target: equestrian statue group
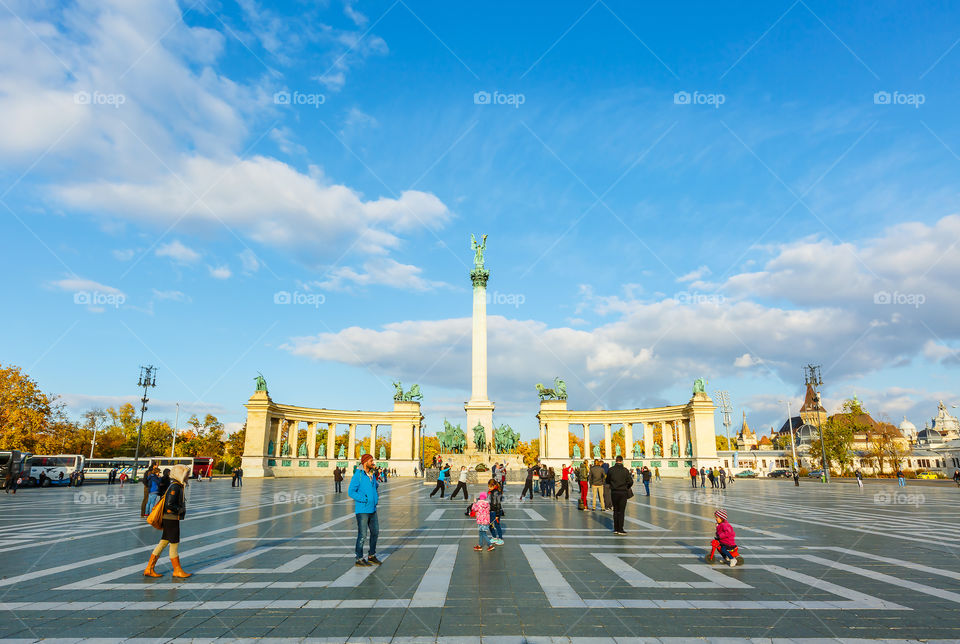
[453,440]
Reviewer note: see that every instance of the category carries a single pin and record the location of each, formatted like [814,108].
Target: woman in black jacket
[174,510]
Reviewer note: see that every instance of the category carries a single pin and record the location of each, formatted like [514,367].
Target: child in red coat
[726,538]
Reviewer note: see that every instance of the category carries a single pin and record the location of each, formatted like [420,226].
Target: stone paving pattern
[275,560]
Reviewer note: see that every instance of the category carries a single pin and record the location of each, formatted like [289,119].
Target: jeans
[693,478]
[152,499]
[496,529]
[619,500]
[338,486]
[646,486]
[900,481]
[367,521]
[725,551]
[484,536]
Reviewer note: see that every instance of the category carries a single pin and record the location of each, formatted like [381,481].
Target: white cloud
[379,271]
[696,274]
[220,272]
[249,261]
[173,296]
[124,255]
[746,360]
[73,284]
[178,252]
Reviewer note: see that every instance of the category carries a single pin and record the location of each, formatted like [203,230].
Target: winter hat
[365,458]
[721,514]
[482,496]
[180,473]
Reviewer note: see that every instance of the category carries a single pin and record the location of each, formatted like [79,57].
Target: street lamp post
[176,425]
[814,379]
[148,378]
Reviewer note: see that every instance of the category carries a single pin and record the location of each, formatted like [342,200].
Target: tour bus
[56,468]
[199,465]
[10,462]
[98,469]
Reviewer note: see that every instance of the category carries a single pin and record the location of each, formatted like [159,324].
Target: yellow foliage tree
[530,451]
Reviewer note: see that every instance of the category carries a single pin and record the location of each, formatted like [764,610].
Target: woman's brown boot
[177,570]
[150,572]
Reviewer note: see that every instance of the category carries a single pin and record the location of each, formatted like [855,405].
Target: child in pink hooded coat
[481,509]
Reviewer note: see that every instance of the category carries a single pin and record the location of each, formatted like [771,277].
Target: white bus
[98,469]
[56,469]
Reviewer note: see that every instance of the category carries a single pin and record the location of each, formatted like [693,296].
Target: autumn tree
[25,411]
[202,438]
[530,451]
[430,446]
[574,441]
[722,442]
[233,450]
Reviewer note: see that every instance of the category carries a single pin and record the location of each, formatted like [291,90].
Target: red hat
[365,458]
[721,514]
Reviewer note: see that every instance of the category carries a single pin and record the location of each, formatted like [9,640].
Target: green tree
[234,447]
[837,438]
[722,443]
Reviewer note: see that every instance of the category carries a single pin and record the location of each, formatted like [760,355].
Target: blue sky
[727,191]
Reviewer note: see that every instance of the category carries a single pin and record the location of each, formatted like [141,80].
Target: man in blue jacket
[363,490]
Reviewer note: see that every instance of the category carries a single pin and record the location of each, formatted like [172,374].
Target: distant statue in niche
[657,450]
[383,453]
[638,450]
[342,453]
[270,448]
[322,450]
[596,451]
[363,450]
[689,448]
[284,448]
[674,449]
[576,452]
[303,450]
[616,450]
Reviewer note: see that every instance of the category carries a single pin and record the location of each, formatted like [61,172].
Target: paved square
[275,560]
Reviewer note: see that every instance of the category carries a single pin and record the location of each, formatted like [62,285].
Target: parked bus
[10,463]
[199,465]
[56,469]
[98,469]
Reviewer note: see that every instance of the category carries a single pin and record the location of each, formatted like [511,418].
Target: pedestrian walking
[564,482]
[723,479]
[174,511]
[461,485]
[153,489]
[441,482]
[528,482]
[900,480]
[703,477]
[338,473]
[645,477]
[481,510]
[164,482]
[146,491]
[621,484]
[551,483]
[503,477]
[859,476]
[713,479]
[123,479]
[10,485]
[693,475]
[495,497]
[233,479]
[597,477]
[656,473]
[363,490]
[956,477]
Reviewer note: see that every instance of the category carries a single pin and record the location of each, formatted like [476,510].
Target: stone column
[293,436]
[586,441]
[628,441]
[416,444]
[312,439]
[373,440]
[543,442]
[331,440]
[607,444]
[479,408]
[352,436]
[648,440]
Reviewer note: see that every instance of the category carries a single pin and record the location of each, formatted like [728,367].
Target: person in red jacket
[693,475]
[727,538]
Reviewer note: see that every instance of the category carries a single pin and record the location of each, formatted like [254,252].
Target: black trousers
[460,486]
[564,490]
[693,479]
[439,488]
[338,486]
[619,508]
[527,485]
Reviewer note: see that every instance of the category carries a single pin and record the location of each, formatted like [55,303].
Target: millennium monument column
[479,408]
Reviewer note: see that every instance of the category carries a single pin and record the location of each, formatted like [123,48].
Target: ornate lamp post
[148,378]
[814,379]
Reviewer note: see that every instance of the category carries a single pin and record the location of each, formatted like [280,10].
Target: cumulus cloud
[178,252]
[220,272]
[379,271]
